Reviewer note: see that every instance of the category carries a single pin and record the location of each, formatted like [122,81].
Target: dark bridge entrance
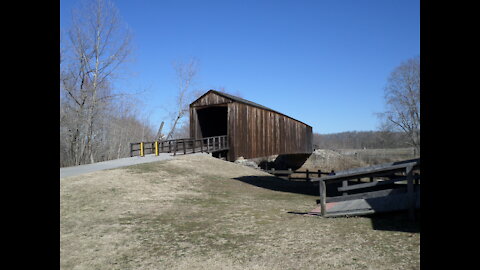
[212,121]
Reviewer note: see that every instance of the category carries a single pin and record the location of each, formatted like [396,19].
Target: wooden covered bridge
[232,127]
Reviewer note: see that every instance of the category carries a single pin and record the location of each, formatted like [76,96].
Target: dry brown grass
[192,212]
[378,156]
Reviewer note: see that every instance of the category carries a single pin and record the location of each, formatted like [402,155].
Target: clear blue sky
[324,63]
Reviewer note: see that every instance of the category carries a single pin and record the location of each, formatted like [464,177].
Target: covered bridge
[252,130]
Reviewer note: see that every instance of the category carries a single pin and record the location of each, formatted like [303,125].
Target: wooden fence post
[323,197]
[184,148]
[156,148]
[141,149]
[410,193]
[308,177]
[131,149]
[345,184]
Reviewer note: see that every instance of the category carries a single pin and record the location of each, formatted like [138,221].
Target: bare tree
[402,98]
[185,73]
[98,44]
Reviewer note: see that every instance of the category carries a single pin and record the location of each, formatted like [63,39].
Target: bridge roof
[244,101]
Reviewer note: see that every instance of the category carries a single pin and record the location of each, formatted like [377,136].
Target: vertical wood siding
[256,132]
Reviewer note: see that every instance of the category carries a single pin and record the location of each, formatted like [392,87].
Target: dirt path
[111,164]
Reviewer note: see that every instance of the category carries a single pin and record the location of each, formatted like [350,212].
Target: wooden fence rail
[185,146]
[288,173]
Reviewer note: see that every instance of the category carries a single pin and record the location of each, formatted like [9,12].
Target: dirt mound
[327,160]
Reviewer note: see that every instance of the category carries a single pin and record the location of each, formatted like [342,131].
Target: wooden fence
[185,146]
[373,201]
[288,174]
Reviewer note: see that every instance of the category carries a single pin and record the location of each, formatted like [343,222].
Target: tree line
[361,140]
[97,120]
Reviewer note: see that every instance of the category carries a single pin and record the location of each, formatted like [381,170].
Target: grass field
[198,212]
[378,156]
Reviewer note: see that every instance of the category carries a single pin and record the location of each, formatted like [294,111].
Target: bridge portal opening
[213,121]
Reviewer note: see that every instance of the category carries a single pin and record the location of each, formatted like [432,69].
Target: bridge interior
[213,121]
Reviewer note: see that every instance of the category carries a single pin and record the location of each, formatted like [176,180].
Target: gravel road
[105,165]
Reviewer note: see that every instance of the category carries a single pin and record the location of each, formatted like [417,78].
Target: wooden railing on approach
[185,146]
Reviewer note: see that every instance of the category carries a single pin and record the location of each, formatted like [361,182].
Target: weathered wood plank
[323,198]
[367,195]
[344,186]
[388,203]
[369,171]
[410,190]
[371,184]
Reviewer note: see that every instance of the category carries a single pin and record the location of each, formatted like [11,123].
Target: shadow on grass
[395,221]
[284,185]
[279,184]
[390,221]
